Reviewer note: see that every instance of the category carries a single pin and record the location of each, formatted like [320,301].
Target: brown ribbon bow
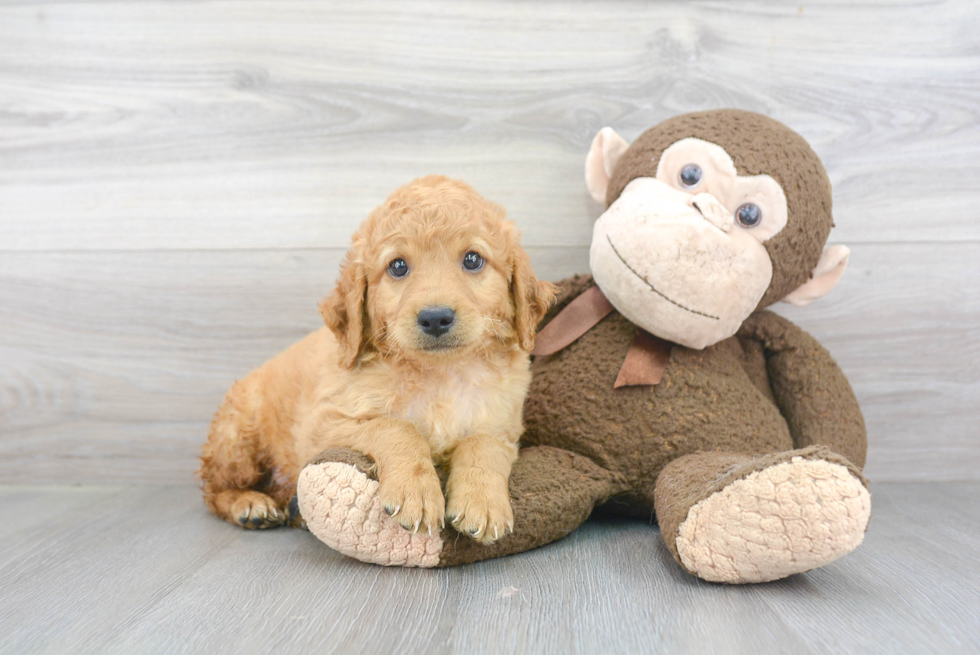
[645,360]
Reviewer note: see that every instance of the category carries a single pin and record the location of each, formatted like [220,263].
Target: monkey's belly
[705,401]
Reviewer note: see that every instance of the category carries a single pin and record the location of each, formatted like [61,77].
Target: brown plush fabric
[752,401]
[812,392]
[360,461]
[688,480]
[758,145]
[707,399]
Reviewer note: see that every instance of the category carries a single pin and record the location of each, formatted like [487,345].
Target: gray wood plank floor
[148,570]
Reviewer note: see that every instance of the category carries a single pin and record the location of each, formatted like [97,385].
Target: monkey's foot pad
[342,507]
[785,519]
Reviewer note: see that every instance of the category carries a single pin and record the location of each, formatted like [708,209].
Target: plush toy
[661,387]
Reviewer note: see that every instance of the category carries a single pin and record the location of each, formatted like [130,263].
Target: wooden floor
[148,570]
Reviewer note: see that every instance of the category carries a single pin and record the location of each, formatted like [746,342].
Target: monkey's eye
[748,215]
[473,261]
[690,176]
[398,267]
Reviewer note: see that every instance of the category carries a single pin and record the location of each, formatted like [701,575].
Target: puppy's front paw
[413,498]
[479,508]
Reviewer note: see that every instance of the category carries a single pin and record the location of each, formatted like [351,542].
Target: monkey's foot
[338,495]
[787,518]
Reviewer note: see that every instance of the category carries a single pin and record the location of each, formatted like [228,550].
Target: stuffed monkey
[662,388]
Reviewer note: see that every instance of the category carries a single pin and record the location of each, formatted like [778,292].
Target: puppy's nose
[436,321]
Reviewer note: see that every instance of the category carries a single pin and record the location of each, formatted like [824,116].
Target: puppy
[423,363]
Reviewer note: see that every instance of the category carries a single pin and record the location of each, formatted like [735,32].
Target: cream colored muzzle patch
[342,508]
[785,519]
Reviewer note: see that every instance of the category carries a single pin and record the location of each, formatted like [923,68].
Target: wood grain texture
[178,181]
[112,376]
[258,124]
[148,570]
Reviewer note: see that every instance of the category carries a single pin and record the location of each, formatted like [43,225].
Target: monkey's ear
[607,147]
[826,275]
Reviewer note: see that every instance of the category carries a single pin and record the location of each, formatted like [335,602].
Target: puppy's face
[439,294]
[436,272]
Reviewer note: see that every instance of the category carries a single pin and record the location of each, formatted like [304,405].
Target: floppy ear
[532,298]
[343,311]
[826,275]
[607,147]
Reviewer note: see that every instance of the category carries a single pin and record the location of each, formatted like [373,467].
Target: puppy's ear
[343,311]
[532,298]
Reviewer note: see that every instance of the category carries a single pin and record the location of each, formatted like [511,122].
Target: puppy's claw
[494,533]
[415,530]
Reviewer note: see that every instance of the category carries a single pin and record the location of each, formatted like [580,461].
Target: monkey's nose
[713,211]
[436,321]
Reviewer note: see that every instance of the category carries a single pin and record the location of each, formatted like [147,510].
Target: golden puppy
[425,363]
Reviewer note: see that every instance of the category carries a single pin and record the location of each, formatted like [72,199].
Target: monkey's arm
[810,389]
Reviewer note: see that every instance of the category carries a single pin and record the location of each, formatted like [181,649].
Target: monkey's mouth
[654,289]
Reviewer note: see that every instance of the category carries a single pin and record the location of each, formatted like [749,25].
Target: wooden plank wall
[178,181]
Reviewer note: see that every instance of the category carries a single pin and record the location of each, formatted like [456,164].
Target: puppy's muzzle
[436,321]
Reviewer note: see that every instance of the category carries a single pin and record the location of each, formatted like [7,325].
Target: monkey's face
[681,254]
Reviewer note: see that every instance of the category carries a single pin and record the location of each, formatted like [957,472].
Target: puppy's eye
[398,267]
[690,176]
[472,261]
[748,215]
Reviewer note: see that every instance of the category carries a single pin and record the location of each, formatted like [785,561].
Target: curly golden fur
[374,380]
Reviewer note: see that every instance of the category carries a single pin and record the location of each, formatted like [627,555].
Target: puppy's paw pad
[342,507]
[256,511]
[786,519]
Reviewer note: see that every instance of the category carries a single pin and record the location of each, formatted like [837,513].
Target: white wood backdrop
[178,181]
